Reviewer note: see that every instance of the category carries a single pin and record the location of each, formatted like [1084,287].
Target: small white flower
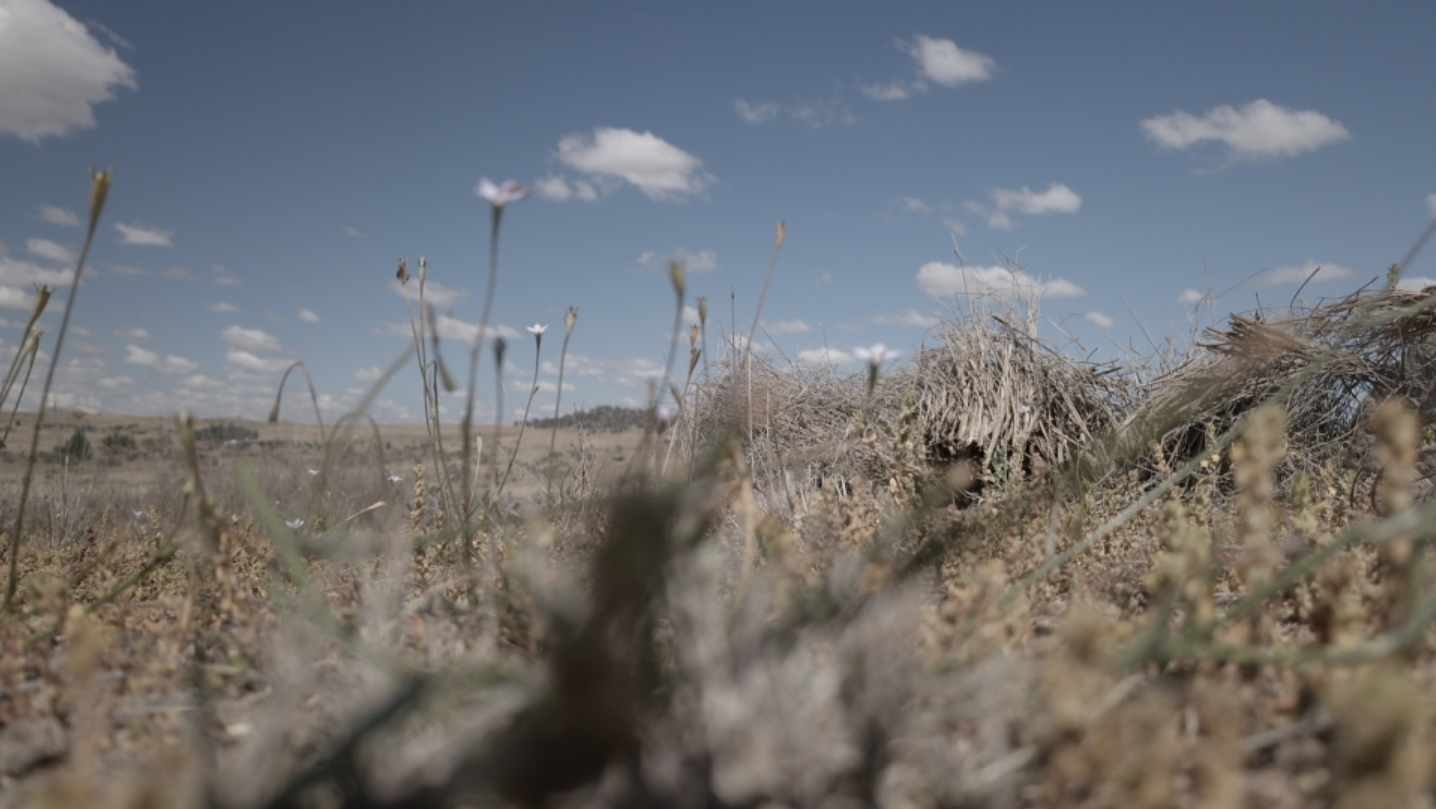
[396,478]
[502,194]
[313,471]
[536,329]
[138,512]
[295,524]
[667,412]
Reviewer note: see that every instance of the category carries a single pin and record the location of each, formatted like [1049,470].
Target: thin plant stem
[99,191]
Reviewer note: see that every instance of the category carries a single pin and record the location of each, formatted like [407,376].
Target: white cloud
[756,113]
[824,356]
[1102,321]
[353,232]
[560,189]
[59,216]
[251,339]
[1058,198]
[52,72]
[223,278]
[14,272]
[435,293]
[629,373]
[132,334]
[309,317]
[44,248]
[221,306]
[941,61]
[13,298]
[171,364]
[702,261]
[1259,130]
[1415,284]
[797,326]
[885,92]
[370,374]
[942,280]
[642,159]
[1191,296]
[139,234]
[816,114]
[1297,275]
[915,205]
[247,361]
[911,317]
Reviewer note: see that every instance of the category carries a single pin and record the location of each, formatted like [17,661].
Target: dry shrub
[991,395]
[1332,363]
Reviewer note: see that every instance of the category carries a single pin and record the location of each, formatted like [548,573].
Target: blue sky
[274,160]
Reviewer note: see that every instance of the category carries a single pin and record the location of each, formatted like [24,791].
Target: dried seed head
[403,273]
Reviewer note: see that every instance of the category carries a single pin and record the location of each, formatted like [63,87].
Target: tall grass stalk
[570,319]
[537,331]
[499,197]
[99,192]
[313,399]
[757,314]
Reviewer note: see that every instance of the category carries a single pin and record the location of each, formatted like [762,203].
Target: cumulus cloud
[824,356]
[1191,296]
[560,189]
[247,361]
[371,374]
[171,364]
[15,298]
[1256,131]
[221,306]
[641,159]
[223,277]
[1058,198]
[622,373]
[1415,284]
[132,334]
[14,272]
[309,317]
[942,280]
[1100,320]
[756,113]
[44,248]
[1297,275]
[796,326]
[701,261]
[52,72]
[435,293]
[139,234]
[59,216]
[941,61]
[911,317]
[353,232]
[251,339]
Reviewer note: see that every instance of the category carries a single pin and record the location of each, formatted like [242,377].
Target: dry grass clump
[992,392]
[1332,364]
[991,403]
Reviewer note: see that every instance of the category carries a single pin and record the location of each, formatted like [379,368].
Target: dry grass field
[995,576]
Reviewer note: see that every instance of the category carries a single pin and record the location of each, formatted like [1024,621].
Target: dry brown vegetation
[997,577]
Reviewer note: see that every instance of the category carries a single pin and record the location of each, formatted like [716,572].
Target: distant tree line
[601,419]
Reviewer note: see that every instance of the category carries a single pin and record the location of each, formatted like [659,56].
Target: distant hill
[601,419]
